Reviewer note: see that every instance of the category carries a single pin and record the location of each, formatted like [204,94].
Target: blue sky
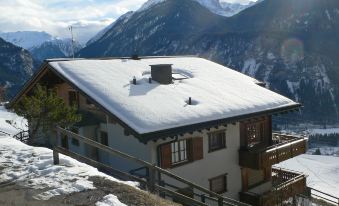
[54,16]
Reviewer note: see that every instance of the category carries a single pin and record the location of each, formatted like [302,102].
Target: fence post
[55,157]
[151,179]
[220,201]
[56,160]
[203,198]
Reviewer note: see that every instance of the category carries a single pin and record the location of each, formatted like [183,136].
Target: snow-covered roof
[217,92]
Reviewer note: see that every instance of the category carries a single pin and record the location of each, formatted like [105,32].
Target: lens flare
[292,50]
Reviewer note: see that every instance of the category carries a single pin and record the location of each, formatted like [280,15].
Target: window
[216,140]
[219,184]
[104,138]
[72,98]
[254,133]
[173,154]
[75,142]
[179,151]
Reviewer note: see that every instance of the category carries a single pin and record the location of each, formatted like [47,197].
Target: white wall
[212,165]
[127,144]
[215,163]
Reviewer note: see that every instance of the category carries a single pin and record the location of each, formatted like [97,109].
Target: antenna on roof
[70,28]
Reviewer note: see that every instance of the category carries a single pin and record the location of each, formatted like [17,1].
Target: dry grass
[125,193]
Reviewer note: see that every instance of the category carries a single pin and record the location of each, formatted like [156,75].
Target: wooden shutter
[166,156]
[197,148]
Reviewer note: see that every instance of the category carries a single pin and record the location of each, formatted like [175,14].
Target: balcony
[284,185]
[284,147]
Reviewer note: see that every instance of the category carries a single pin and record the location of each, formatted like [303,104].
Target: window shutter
[197,148]
[166,156]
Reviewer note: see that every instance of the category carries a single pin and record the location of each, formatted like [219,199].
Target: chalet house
[198,119]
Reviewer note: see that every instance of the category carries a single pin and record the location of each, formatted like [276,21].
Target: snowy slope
[322,171]
[33,167]
[11,123]
[27,39]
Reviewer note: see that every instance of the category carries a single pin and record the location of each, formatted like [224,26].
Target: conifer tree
[45,110]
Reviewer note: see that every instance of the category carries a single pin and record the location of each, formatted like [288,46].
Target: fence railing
[22,136]
[285,147]
[286,184]
[153,181]
[317,194]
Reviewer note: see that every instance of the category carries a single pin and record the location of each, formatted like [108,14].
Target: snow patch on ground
[33,166]
[322,171]
[11,123]
[110,200]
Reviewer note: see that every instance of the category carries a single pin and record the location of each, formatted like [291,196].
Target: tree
[2,93]
[317,152]
[45,110]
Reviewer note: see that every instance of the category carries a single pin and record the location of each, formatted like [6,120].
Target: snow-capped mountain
[215,6]
[101,33]
[27,39]
[42,45]
[57,48]
[295,52]
[230,9]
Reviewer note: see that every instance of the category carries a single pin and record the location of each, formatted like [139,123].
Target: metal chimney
[162,73]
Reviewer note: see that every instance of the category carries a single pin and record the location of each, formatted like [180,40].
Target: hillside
[29,177]
[16,66]
[289,44]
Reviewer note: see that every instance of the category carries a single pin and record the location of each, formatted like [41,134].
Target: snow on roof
[217,92]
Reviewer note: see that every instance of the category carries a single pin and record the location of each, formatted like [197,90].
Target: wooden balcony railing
[285,147]
[286,184]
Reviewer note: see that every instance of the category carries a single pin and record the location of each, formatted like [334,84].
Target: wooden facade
[265,157]
[286,184]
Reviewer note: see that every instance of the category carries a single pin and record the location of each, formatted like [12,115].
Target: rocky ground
[14,194]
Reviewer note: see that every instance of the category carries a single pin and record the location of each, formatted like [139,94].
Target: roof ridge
[113,58]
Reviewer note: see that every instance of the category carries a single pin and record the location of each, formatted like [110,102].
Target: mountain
[101,33]
[291,45]
[42,45]
[230,9]
[26,39]
[57,48]
[16,66]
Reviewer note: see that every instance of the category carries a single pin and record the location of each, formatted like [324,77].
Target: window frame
[224,181]
[72,102]
[223,144]
[102,138]
[256,129]
[185,150]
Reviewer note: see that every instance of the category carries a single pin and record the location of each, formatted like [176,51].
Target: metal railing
[153,181]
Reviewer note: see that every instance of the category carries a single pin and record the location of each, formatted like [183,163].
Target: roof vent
[135,57]
[162,73]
